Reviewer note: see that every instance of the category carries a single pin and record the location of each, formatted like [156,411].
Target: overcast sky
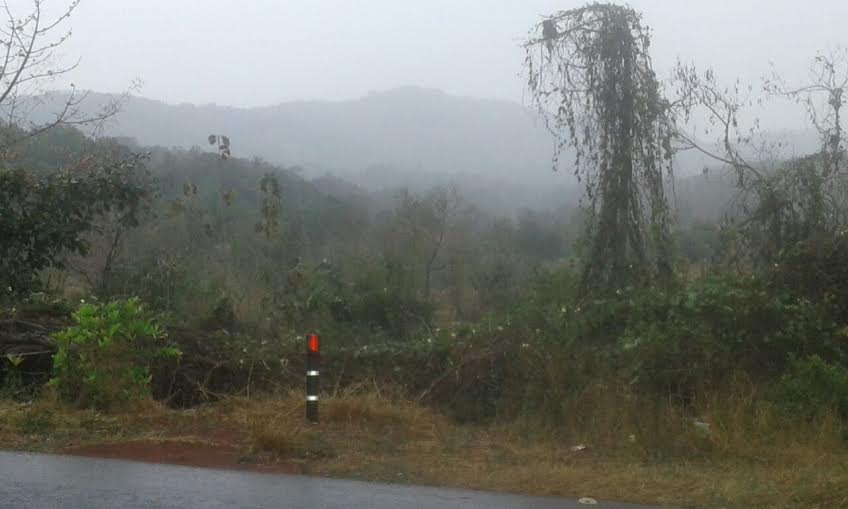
[259,52]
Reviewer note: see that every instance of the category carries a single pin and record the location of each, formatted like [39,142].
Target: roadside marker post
[313,361]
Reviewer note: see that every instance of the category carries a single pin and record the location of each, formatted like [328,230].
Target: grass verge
[747,458]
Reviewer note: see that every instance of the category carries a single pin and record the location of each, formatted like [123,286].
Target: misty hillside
[406,128]
[396,132]
[498,152]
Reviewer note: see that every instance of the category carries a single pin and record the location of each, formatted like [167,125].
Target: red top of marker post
[313,345]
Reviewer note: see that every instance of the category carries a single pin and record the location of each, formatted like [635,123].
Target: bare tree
[29,45]
[779,200]
[423,226]
[823,98]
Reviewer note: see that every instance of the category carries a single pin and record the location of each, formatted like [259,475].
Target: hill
[498,152]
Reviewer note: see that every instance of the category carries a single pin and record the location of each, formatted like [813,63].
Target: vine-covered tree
[591,77]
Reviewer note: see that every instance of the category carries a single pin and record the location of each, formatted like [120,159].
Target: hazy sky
[257,52]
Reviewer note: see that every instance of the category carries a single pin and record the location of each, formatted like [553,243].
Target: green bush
[811,386]
[816,269]
[43,217]
[699,336]
[104,359]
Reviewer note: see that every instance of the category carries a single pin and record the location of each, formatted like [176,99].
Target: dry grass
[638,451]
[644,452]
[49,426]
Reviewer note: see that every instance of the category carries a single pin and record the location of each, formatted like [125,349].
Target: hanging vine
[591,77]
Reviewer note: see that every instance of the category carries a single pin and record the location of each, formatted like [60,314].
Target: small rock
[702,427]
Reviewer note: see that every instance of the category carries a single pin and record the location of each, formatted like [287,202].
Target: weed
[36,421]
[103,360]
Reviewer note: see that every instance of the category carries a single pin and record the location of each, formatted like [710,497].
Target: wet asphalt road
[35,480]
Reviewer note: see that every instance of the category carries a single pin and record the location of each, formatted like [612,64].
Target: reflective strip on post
[313,360]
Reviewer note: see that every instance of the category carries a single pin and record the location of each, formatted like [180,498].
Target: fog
[262,52]
[389,94]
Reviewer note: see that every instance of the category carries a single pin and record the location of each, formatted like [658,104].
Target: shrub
[816,269]
[43,217]
[718,326]
[104,359]
[811,386]
[391,312]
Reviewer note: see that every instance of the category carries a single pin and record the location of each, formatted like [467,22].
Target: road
[37,480]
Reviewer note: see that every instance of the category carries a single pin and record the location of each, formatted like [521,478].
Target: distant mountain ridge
[409,128]
[497,151]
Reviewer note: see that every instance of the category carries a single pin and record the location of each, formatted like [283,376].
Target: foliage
[811,386]
[816,269]
[719,326]
[780,201]
[223,143]
[269,188]
[104,359]
[42,217]
[379,302]
[789,204]
[591,77]
[698,243]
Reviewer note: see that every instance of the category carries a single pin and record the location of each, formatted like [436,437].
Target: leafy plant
[43,217]
[104,359]
[699,336]
[812,385]
[223,143]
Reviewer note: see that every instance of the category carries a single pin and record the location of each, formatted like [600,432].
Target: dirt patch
[186,453]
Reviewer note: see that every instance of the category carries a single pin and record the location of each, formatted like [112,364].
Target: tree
[429,221]
[591,78]
[418,233]
[29,46]
[223,143]
[778,202]
[823,98]
[100,263]
[42,217]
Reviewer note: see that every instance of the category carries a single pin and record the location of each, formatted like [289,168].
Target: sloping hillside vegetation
[478,317]
[663,339]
